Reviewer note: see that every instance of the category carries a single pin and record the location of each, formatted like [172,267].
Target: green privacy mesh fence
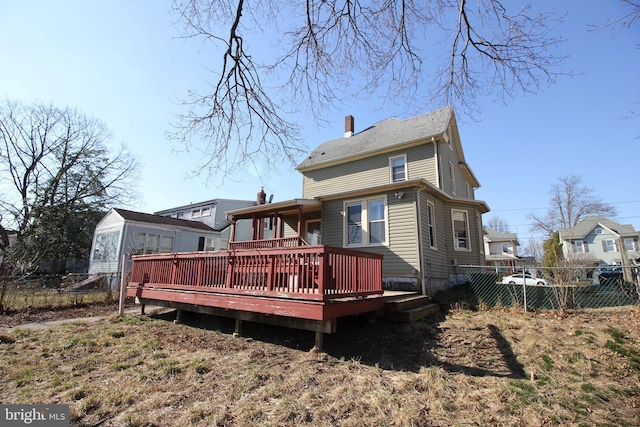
[558,288]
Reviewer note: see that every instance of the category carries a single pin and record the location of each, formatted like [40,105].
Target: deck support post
[142,309]
[238,330]
[178,316]
[319,340]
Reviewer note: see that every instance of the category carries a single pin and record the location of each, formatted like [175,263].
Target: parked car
[524,279]
[610,272]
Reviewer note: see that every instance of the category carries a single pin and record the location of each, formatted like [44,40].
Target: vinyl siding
[401,253]
[471,257]
[369,172]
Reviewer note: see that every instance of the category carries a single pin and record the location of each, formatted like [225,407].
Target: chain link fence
[55,291]
[558,288]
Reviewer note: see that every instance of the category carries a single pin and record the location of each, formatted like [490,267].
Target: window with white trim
[105,248]
[148,243]
[578,246]
[598,230]
[630,243]
[460,230]
[609,245]
[431,224]
[398,168]
[365,222]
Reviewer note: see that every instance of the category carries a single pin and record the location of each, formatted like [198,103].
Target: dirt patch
[16,318]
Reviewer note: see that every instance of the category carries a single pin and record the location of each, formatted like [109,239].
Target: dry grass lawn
[460,368]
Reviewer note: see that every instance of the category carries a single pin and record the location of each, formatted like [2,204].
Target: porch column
[299,222]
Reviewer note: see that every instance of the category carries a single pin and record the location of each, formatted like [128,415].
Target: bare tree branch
[326,52]
[570,202]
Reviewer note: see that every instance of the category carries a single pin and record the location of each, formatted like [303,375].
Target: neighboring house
[501,250]
[127,232]
[212,213]
[599,241]
[400,188]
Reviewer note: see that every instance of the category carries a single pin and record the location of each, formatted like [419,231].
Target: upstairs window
[398,168]
[460,230]
[578,246]
[630,243]
[609,245]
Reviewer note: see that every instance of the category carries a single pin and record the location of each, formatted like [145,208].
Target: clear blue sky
[120,62]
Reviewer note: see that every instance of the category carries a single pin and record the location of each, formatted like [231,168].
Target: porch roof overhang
[287,207]
[420,184]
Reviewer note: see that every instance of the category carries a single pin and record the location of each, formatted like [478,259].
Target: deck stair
[409,308]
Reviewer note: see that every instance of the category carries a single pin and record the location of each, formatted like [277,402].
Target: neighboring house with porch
[599,241]
[501,250]
[399,188]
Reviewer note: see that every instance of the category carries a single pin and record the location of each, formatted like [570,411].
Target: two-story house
[501,250]
[400,188]
[600,241]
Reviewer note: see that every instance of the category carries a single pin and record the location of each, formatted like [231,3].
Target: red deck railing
[282,242]
[319,273]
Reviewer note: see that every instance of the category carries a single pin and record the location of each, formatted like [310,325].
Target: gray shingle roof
[382,135]
[584,227]
[495,236]
[161,220]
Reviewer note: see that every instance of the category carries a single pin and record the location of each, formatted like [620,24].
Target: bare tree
[443,52]
[56,161]
[570,202]
[498,224]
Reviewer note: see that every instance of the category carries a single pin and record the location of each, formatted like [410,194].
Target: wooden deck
[307,287]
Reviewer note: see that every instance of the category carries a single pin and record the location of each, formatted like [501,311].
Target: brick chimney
[348,126]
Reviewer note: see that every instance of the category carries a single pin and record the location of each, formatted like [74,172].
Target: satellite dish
[270,198]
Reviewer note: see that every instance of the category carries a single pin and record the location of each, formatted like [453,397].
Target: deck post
[319,340]
[178,316]
[238,329]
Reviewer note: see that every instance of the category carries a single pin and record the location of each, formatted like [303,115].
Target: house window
[505,248]
[452,177]
[578,246]
[166,244]
[210,244]
[196,213]
[460,230]
[398,167]
[205,211]
[313,233]
[147,243]
[609,245]
[180,215]
[105,248]
[630,244]
[366,222]
[598,230]
[431,224]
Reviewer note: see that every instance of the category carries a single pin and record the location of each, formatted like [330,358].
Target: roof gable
[384,135]
[588,224]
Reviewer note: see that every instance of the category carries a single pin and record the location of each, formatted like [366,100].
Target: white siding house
[598,240]
[127,232]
